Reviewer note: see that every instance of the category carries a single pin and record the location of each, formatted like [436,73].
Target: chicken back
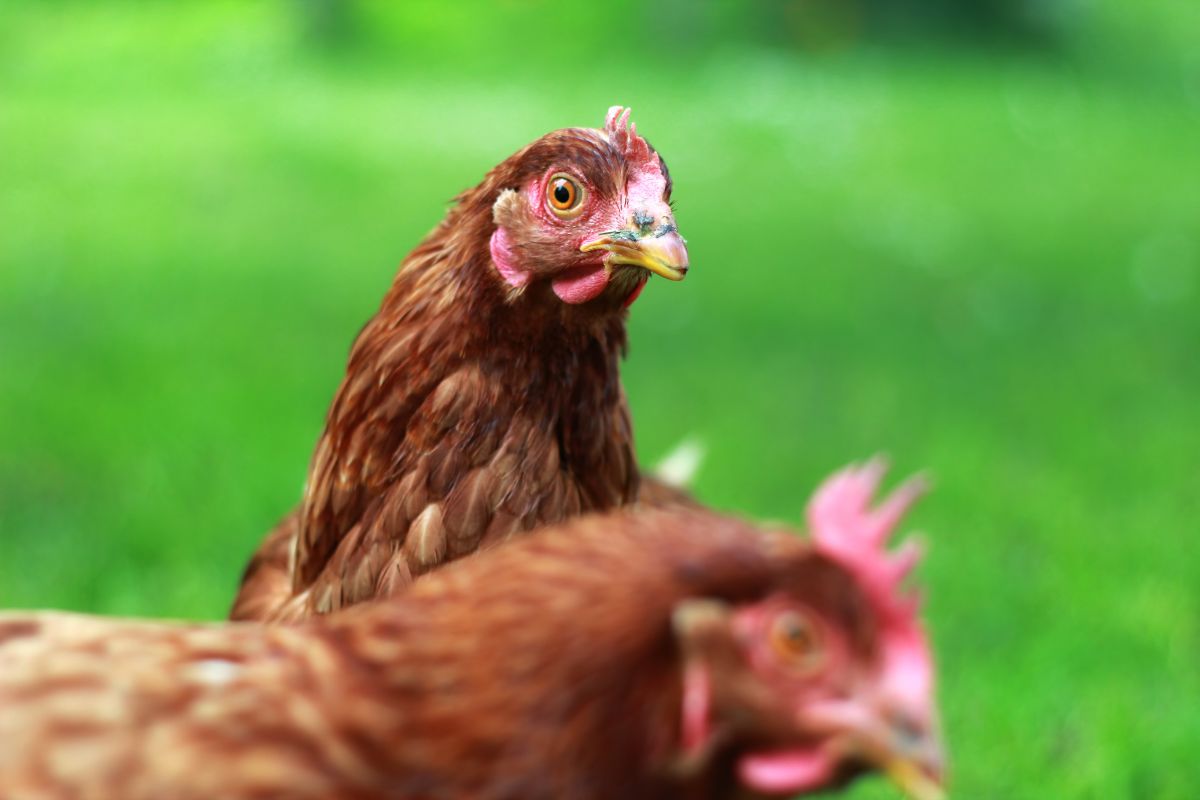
[657,654]
[483,399]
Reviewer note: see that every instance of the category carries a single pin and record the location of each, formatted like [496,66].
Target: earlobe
[702,629]
[504,256]
[517,246]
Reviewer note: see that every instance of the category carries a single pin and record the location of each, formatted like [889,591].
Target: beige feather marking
[679,467]
[410,494]
[395,576]
[454,396]
[469,509]
[360,584]
[324,602]
[214,671]
[426,541]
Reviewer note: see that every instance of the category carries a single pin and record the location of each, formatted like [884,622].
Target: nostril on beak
[914,740]
[643,221]
[905,728]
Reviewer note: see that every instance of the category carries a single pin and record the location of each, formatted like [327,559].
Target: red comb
[624,135]
[847,530]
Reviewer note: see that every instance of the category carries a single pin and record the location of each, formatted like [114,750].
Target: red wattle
[783,772]
[580,285]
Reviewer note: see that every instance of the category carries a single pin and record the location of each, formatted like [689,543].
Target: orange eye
[794,638]
[564,195]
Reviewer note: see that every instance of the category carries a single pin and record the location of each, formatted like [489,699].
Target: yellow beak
[909,753]
[913,781]
[665,254]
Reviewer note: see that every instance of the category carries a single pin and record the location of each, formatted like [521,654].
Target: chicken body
[483,399]
[492,678]
[666,654]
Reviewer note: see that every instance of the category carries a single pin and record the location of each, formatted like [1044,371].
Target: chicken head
[592,212]
[804,692]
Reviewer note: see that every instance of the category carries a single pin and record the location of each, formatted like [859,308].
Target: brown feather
[544,669]
[470,411]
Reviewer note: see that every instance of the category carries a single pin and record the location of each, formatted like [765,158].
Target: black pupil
[562,193]
[797,633]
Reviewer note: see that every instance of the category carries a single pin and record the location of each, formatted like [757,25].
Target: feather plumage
[555,667]
[477,403]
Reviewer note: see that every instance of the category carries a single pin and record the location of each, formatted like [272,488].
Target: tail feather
[679,467]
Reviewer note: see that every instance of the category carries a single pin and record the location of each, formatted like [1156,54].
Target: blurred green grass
[983,263]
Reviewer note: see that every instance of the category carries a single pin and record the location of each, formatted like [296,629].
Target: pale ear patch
[505,212]
[697,623]
[507,208]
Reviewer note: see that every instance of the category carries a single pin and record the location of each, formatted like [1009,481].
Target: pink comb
[625,136]
[846,530]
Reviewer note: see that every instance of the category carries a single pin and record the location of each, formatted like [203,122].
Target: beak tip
[661,255]
[915,781]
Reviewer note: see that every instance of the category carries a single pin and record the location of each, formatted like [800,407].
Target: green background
[966,235]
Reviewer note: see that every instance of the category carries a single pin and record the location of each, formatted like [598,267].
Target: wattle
[783,771]
[580,284]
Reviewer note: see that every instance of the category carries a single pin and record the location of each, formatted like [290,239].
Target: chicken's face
[830,673]
[801,694]
[591,216]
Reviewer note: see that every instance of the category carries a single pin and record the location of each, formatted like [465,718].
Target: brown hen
[662,654]
[483,399]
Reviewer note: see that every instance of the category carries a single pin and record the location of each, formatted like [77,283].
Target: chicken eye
[794,638]
[564,195]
